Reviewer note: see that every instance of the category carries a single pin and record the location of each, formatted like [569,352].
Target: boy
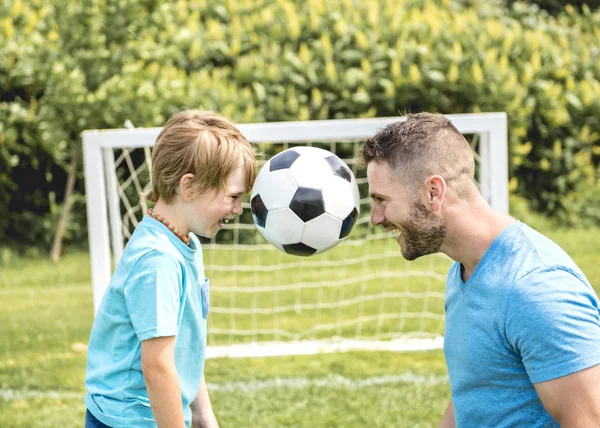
[147,346]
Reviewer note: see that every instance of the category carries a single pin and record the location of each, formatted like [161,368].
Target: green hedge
[67,66]
[555,7]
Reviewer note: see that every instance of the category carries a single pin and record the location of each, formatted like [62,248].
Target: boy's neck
[173,213]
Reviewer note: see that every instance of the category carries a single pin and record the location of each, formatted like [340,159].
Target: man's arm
[202,412]
[448,418]
[573,400]
[162,381]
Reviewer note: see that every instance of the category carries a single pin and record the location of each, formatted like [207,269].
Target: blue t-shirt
[158,289]
[526,315]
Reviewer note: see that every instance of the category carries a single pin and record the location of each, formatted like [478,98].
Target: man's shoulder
[547,282]
[549,277]
[545,256]
[548,251]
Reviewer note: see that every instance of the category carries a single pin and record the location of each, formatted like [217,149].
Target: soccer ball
[305,201]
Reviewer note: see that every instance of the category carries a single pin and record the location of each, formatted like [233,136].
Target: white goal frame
[103,203]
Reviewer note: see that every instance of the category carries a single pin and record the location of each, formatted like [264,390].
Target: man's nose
[376,216]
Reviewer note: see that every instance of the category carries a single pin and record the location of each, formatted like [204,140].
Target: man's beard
[423,233]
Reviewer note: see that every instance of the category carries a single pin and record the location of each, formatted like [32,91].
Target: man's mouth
[394,230]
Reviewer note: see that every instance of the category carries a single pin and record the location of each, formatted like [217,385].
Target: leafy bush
[65,67]
[555,7]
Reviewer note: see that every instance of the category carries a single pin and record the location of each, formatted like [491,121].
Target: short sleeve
[553,323]
[153,295]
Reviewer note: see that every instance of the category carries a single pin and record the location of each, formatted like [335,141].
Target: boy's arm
[162,381]
[202,412]
[448,418]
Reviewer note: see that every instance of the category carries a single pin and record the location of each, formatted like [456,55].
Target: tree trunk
[64,217]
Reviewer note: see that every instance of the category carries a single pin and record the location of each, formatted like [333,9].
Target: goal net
[361,295]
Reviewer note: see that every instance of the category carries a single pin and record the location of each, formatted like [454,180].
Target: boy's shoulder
[148,241]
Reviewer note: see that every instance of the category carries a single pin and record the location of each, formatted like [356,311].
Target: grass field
[46,315]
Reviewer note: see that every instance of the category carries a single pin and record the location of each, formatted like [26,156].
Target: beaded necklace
[184,238]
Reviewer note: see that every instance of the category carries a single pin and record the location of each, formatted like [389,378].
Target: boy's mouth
[225,220]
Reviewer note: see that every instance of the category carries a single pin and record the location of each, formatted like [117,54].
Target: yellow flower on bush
[414,75]
[477,72]
[544,164]
[453,73]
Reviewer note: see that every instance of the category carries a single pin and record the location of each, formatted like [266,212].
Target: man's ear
[433,192]
[185,186]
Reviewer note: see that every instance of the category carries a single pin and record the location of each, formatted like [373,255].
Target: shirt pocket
[205,294]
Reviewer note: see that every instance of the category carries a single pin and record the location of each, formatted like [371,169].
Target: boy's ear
[185,186]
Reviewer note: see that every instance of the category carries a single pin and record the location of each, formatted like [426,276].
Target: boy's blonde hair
[202,143]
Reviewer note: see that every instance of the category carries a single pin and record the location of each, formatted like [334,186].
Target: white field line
[26,394]
[332,382]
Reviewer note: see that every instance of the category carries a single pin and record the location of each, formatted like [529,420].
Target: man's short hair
[422,145]
[202,143]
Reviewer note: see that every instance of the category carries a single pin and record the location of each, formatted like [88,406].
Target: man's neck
[471,232]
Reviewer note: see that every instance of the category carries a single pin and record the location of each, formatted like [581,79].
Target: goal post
[360,295]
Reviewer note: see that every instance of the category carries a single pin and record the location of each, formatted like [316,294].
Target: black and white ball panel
[339,168]
[307,203]
[269,238]
[279,186]
[299,249]
[283,160]
[285,226]
[348,223]
[322,231]
[335,195]
[259,210]
[318,168]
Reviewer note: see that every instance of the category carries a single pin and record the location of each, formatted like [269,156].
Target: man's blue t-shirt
[158,289]
[526,315]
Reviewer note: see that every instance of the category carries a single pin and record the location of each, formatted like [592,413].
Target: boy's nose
[237,209]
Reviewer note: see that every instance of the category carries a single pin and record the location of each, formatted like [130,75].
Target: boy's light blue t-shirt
[526,315]
[158,289]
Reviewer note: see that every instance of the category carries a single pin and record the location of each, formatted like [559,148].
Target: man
[522,338]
